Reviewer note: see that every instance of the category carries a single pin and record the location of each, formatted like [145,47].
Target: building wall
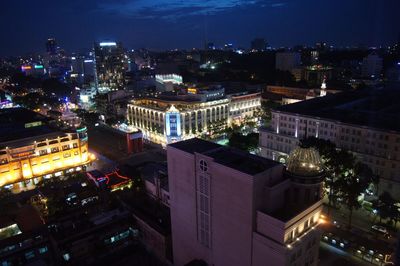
[182,185]
[110,66]
[41,158]
[157,242]
[217,215]
[372,66]
[377,148]
[196,119]
[294,242]
[227,235]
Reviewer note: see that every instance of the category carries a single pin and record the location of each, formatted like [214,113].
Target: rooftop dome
[304,162]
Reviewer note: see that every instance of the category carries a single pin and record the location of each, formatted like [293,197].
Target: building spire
[323,87]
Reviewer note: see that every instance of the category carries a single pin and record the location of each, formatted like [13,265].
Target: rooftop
[195,145]
[289,211]
[233,158]
[20,123]
[375,108]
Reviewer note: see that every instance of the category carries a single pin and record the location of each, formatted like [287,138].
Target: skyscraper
[51,46]
[110,66]
[259,44]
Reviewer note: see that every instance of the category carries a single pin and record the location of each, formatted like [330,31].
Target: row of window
[203,198]
[57,149]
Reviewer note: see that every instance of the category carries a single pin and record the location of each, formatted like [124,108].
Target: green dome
[304,162]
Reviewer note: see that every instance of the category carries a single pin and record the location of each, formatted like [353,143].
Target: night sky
[165,24]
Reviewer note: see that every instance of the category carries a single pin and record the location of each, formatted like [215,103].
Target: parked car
[381,230]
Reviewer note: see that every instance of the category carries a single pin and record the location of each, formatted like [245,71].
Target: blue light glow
[108,44]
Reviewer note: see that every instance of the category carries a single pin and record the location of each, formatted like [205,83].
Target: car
[380,229]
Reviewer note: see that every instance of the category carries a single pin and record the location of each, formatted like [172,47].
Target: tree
[242,142]
[387,209]
[353,181]
[266,114]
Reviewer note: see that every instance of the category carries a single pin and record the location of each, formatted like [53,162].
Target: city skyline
[174,24]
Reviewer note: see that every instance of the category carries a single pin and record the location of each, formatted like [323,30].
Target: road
[331,256]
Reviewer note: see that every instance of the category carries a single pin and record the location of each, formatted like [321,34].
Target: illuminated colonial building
[31,150]
[166,119]
[364,122]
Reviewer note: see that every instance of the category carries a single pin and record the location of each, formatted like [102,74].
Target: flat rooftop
[21,123]
[375,108]
[232,158]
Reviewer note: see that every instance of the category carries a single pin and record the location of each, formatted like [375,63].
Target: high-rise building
[286,61]
[210,46]
[110,66]
[346,119]
[83,69]
[372,66]
[258,44]
[51,46]
[229,207]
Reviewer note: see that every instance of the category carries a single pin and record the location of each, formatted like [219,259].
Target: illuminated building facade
[33,70]
[172,78]
[346,120]
[31,150]
[169,119]
[110,66]
[229,207]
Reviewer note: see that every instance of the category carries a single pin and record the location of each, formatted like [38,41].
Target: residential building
[24,238]
[229,207]
[155,176]
[372,66]
[363,121]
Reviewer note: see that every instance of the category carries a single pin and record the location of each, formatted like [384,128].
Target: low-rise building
[24,238]
[169,118]
[364,122]
[31,149]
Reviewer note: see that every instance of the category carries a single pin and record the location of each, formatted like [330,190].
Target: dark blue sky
[167,24]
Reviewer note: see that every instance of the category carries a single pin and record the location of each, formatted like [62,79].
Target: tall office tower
[210,46]
[372,65]
[229,207]
[83,69]
[286,61]
[51,46]
[110,66]
[259,44]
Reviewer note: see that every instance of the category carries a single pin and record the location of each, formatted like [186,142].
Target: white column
[277,124]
